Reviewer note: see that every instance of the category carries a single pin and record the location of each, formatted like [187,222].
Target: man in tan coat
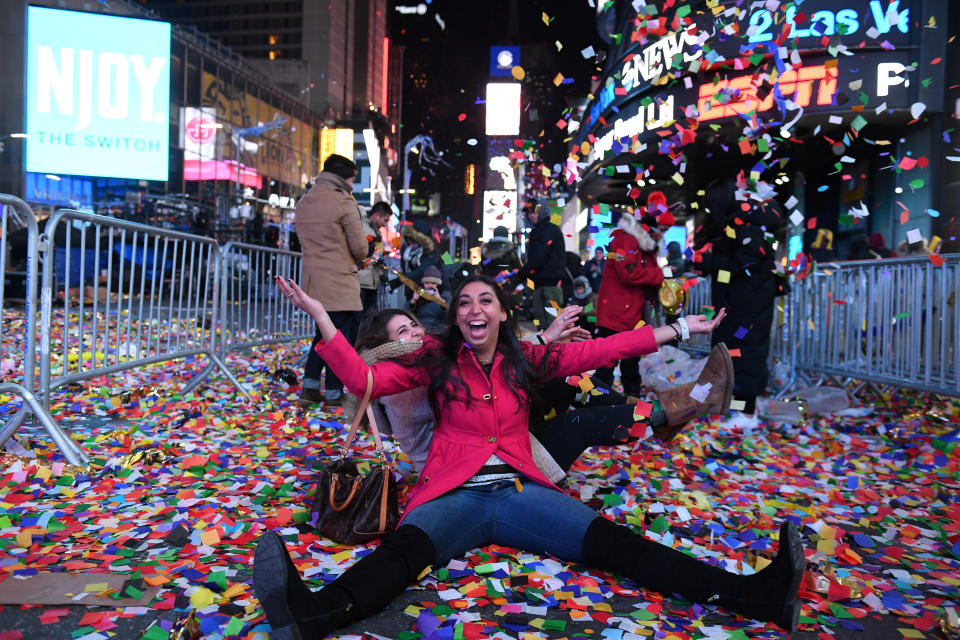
[333,242]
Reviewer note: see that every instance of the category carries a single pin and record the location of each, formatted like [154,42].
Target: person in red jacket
[630,278]
[480,485]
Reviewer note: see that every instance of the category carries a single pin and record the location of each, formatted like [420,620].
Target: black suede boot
[294,612]
[769,596]
[375,580]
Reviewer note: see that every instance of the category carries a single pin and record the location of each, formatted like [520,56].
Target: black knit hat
[340,165]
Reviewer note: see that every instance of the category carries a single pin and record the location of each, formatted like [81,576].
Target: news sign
[98,95]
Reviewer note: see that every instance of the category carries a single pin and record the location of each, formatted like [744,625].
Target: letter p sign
[888,75]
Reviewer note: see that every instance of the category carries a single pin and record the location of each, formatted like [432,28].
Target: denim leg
[541,520]
[538,519]
[456,521]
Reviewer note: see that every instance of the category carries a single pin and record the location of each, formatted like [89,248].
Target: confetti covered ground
[181,486]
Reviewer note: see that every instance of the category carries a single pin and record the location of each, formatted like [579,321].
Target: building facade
[845,109]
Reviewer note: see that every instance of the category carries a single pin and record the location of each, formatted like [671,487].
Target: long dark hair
[520,374]
[373,327]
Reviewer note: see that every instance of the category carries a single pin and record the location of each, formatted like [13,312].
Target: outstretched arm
[576,357]
[388,377]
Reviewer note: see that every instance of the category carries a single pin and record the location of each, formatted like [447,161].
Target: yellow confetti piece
[340,557]
[556,219]
[546,18]
[518,73]
[530,284]
[210,537]
[911,633]
[25,539]
[234,590]
[730,232]
[96,587]
[43,473]
[723,276]
[585,384]
[826,546]
[558,79]
[203,598]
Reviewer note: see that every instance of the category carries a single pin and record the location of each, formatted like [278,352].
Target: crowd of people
[486,418]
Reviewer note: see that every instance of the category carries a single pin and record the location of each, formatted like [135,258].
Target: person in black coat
[739,258]
[546,263]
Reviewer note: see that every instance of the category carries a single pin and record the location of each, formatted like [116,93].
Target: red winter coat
[494,421]
[630,271]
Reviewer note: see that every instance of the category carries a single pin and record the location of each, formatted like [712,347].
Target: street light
[12,135]
[259,130]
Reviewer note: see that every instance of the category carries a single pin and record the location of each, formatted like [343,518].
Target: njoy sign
[66,79]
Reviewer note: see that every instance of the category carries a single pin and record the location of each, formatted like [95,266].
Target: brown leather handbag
[352,507]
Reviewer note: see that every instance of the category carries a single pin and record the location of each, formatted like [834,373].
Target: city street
[215,471]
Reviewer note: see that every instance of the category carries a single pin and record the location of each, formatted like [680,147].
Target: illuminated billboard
[503,109]
[499,210]
[335,141]
[98,95]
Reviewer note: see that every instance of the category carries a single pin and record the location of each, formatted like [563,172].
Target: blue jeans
[540,520]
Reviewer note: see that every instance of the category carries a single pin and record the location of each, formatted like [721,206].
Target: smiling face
[404,329]
[479,315]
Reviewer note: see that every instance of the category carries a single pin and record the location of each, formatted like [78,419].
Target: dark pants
[629,369]
[368,297]
[347,322]
[569,434]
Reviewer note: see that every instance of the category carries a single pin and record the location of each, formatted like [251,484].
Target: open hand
[298,297]
[564,327]
[700,324]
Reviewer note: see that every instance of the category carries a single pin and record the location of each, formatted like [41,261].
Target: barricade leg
[215,362]
[71,450]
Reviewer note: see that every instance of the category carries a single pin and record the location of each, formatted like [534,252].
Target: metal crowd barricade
[698,297]
[888,322]
[252,310]
[18,367]
[129,295]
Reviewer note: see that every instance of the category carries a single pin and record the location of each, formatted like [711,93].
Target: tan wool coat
[333,242]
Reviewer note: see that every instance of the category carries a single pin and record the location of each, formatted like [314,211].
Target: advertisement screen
[503,109]
[499,210]
[98,95]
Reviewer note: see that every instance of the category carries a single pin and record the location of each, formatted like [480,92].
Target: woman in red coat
[480,485]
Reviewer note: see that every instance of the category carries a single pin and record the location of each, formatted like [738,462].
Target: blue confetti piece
[863,540]
[823,188]
[740,333]
[933,213]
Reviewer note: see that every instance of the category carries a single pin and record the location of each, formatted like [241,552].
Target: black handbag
[352,507]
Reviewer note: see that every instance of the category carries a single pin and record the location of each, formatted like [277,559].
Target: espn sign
[738,96]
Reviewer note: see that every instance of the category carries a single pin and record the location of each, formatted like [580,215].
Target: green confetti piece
[660,524]
[485,568]
[156,632]
[446,258]
[219,578]
[683,11]
[710,312]
[133,592]
[858,123]
[839,611]
[846,219]
[558,625]
[612,500]
[917,183]
[234,627]
[900,316]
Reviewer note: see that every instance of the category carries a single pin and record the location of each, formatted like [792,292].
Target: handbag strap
[364,407]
